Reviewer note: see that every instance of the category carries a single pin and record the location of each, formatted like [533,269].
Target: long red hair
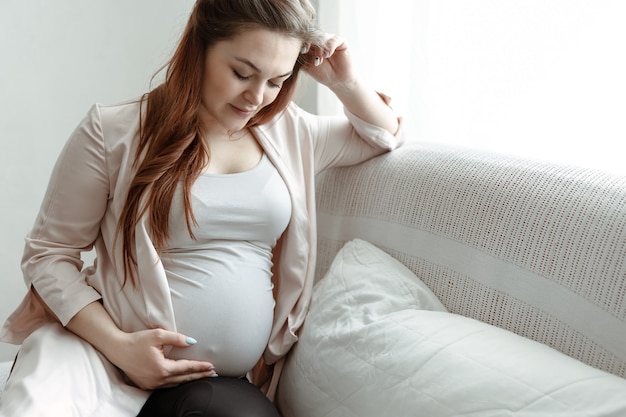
[171,152]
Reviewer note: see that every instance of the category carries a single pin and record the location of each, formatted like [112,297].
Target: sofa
[459,282]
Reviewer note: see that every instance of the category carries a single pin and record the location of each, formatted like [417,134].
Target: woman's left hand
[331,65]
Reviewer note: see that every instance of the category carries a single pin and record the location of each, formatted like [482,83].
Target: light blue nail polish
[317,61]
[214,376]
[191,341]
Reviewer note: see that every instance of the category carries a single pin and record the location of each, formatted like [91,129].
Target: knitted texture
[532,247]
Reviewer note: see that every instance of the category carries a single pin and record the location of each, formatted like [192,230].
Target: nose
[254,94]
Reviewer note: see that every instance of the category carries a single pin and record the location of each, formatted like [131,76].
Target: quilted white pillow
[378,343]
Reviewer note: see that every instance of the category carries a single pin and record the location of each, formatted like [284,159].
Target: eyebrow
[256,69]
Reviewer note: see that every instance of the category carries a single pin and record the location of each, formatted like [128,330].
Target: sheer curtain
[538,78]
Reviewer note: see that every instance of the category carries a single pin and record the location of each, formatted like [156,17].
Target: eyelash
[239,76]
[243,78]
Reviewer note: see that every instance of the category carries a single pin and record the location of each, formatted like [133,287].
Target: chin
[236,125]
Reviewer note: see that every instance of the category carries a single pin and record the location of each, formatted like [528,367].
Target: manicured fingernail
[317,61]
[191,341]
[213,376]
[303,50]
[326,54]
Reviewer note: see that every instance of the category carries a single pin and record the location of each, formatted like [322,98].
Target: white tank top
[221,282]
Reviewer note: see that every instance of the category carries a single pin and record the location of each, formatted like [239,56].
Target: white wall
[56,59]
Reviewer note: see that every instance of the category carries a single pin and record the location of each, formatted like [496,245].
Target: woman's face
[244,74]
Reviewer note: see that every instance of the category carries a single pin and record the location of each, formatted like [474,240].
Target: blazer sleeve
[349,140]
[68,222]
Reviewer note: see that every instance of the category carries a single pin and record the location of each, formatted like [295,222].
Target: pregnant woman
[198,198]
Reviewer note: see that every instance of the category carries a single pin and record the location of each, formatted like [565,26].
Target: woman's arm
[333,67]
[76,201]
[139,354]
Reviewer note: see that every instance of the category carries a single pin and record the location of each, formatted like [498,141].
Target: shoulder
[110,130]
[113,124]
[118,116]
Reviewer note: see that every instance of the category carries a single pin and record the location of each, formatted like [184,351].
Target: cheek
[221,87]
[218,84]
[270,95]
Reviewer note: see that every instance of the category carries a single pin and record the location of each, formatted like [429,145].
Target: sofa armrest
[535,248]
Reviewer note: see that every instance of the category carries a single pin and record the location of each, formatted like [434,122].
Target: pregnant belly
[229,315]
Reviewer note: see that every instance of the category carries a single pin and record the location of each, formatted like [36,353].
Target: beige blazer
[87,191]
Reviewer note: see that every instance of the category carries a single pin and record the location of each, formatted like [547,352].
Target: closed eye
[245,78]
[239,76]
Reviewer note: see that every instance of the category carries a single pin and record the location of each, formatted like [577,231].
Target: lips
[243,112]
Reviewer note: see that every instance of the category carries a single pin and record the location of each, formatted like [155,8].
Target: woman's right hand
[141,356]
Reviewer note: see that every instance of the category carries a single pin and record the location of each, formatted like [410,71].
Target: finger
[181,379]
[313,55]
[186,366]
[166,337]
[314,52]
[333,44]
[187,370]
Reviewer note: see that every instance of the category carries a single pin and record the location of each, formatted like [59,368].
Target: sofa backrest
[532,247]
